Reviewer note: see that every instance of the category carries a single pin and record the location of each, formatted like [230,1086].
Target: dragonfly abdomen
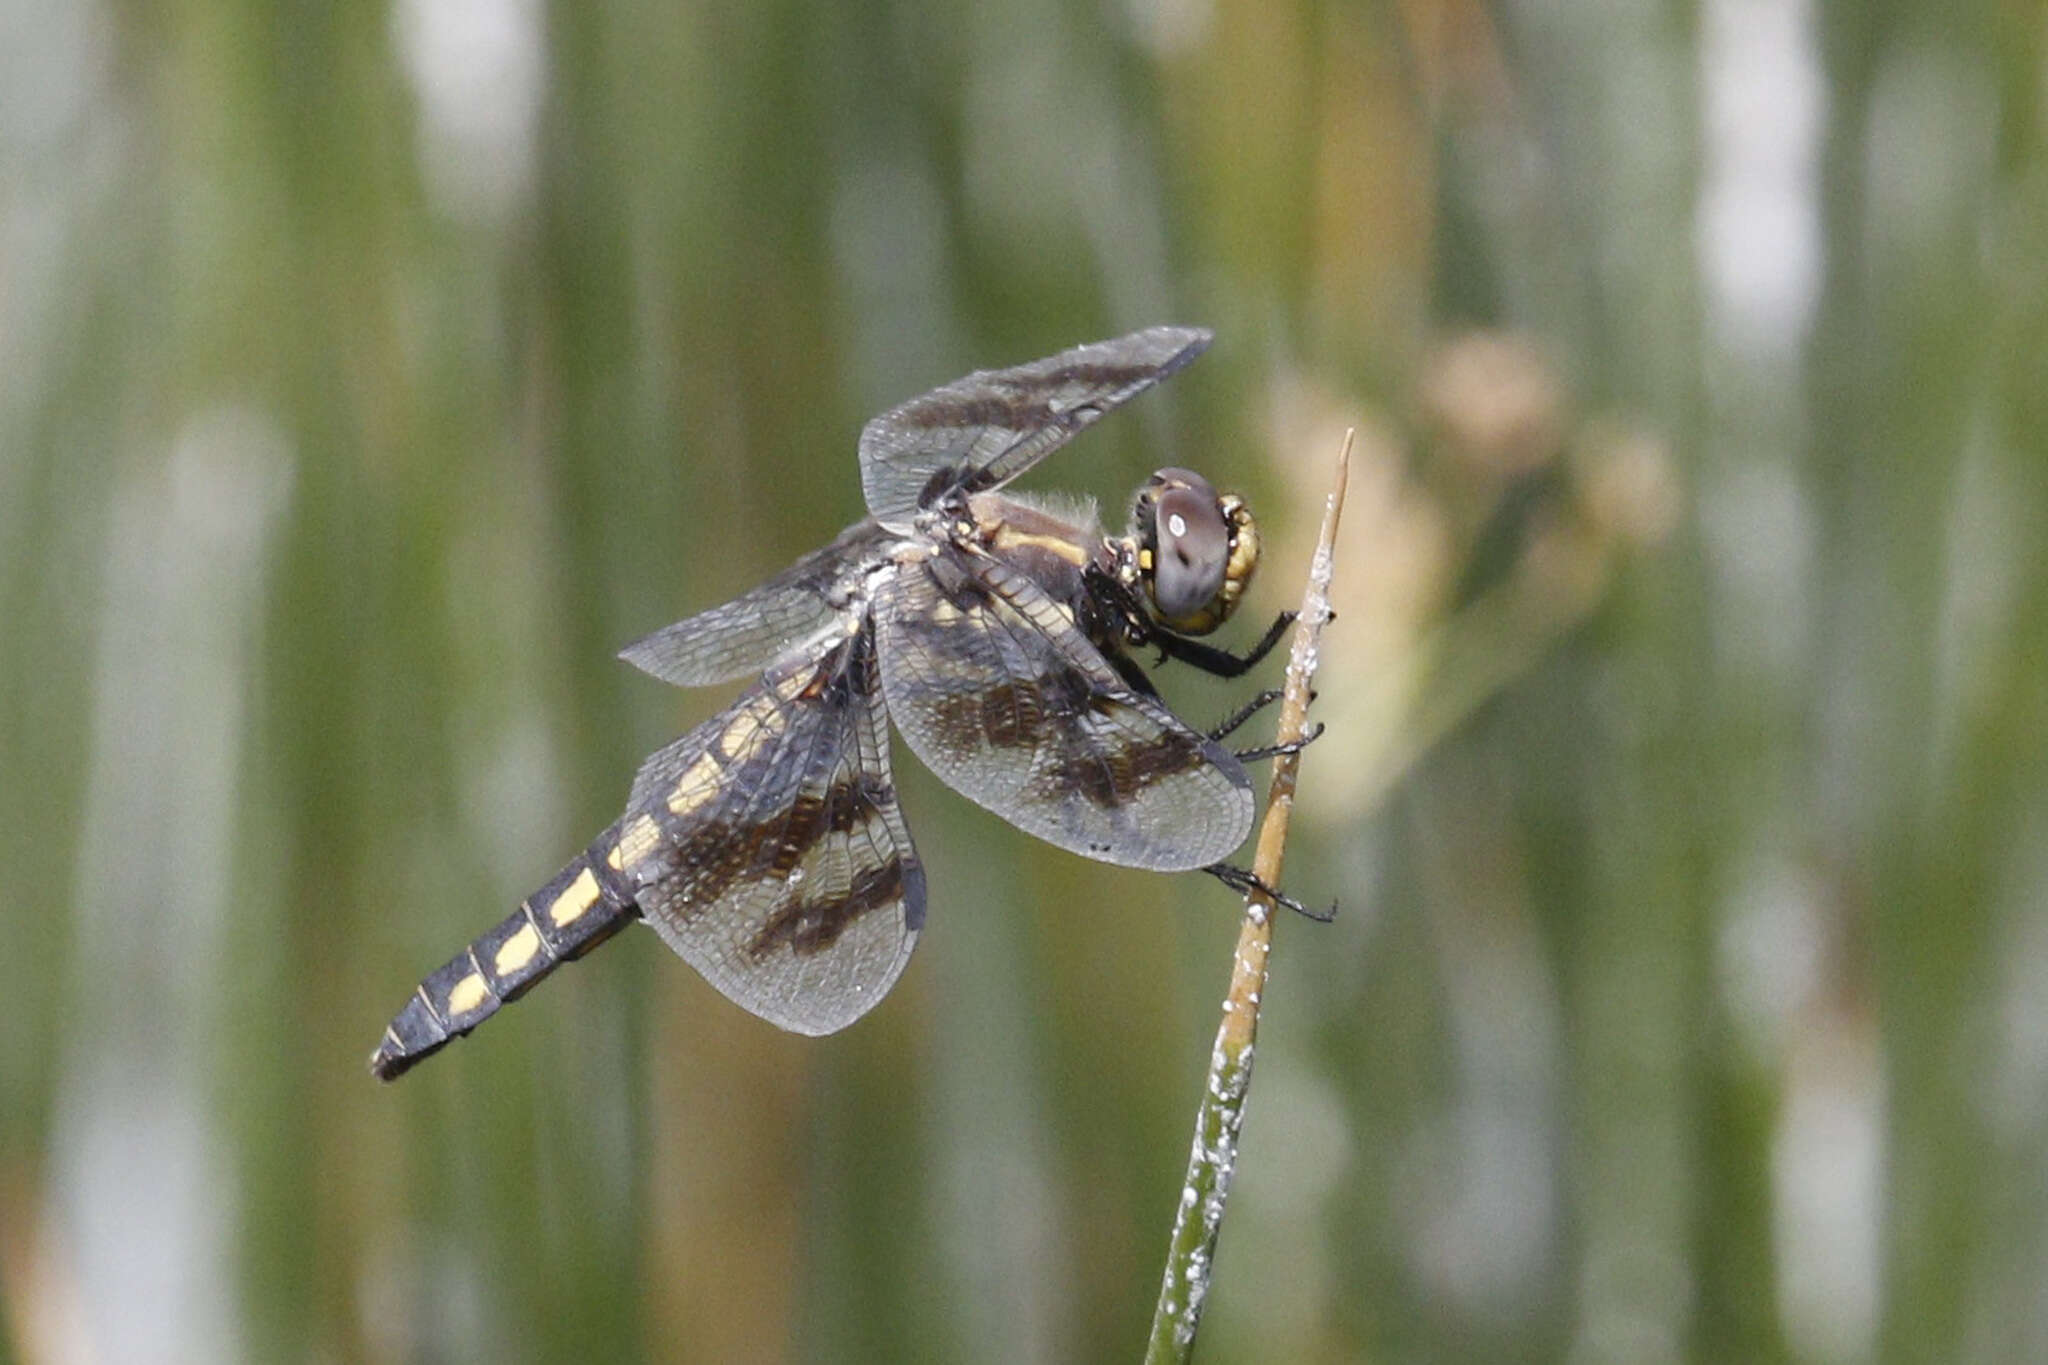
[583,906]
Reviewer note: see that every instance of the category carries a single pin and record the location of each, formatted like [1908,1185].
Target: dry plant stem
[1214,1157]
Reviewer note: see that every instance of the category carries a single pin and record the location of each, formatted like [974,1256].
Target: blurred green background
[370,373]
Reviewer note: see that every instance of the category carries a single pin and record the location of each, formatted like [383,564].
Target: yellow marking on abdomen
[574,902]
[466,994]
[518,950]
[795,685]
[758,720]
[637,841]
[697,785]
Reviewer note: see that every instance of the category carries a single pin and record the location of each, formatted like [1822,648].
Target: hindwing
[766,846]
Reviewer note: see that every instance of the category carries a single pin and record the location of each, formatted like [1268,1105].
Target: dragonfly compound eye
[1200,552]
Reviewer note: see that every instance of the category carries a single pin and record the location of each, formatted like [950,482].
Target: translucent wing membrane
[781,618]
[1002,696]
[980,432]
[767,848]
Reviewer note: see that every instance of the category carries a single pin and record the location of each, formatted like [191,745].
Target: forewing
[766,846]
[756,629]
[1002,696]
[980,432]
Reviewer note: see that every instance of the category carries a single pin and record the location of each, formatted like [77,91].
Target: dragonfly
[998,632]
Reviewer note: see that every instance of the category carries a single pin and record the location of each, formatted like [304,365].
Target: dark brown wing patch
[981,431]
[998,691]
[773,856]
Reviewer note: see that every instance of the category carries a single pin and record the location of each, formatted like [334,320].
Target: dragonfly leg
[1244,882]
[1292,746]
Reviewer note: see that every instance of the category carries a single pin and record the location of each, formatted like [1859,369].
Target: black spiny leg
[1127,668]
[1245,882]
[1292,746]
[1246,712]
[1252,708]
[1220,662]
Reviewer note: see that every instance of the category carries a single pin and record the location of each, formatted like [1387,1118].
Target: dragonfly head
[1195,549]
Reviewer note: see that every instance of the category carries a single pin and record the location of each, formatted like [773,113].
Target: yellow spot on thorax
[1008,538]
